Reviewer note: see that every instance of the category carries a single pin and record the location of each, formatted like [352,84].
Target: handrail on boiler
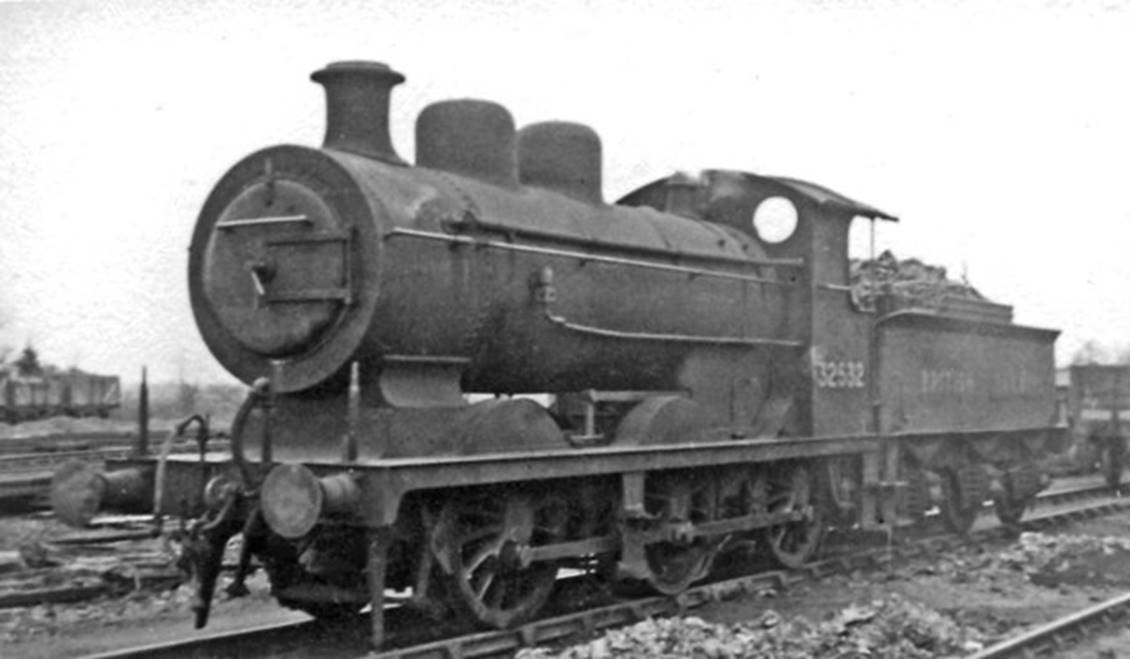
[614,260]
[673,338]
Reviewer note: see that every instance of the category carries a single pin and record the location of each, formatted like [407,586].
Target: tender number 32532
[838,374]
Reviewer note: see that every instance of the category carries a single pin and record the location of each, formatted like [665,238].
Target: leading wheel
[280,561]
[481,546]
[792,490]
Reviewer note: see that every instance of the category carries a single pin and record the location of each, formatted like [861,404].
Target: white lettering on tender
[838,374]
[947,381]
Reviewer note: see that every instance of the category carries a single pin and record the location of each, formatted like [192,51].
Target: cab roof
[822,196]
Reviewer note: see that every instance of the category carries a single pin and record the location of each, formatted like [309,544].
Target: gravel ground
[1108,647]
[136,618]
[951,604]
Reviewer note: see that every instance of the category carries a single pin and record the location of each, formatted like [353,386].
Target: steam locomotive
[713,374]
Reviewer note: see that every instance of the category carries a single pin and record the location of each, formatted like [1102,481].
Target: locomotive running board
[387,481]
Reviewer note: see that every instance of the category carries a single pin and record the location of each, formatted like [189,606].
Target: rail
[1054,635]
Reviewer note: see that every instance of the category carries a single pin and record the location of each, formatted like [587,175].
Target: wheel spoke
[782,500]
[485,585]
[479,534]
[792,543]
[495,598]
[483,554]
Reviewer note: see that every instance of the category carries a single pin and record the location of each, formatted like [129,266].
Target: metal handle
[257,280]
[263,221]
[261,273]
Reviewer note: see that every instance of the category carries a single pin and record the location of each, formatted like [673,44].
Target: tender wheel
[1009,510]
[1018,493]
[679,504]
[793,490]
[958,516]
[481,546]
[917,500]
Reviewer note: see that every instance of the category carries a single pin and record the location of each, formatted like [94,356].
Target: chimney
[357,105]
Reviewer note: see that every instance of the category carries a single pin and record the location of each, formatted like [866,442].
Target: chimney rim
[366,67]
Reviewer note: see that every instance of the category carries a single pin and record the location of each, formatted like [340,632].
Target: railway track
[71,441]
[238,643]
[28,463]
[26,477]
[1053,638]
[277,640]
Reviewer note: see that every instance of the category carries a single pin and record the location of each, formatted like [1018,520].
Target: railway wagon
[29,397]
[1097,402]
[714,374]
[72,392]
[87,394]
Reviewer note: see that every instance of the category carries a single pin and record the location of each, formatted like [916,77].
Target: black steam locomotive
[711,371]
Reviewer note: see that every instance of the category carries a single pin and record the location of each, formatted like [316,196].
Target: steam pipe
[162,462]
[354,414]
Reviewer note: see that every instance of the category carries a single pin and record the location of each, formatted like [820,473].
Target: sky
[999,132]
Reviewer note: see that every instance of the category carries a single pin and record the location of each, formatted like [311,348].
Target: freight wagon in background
[72,393]
[1094,401]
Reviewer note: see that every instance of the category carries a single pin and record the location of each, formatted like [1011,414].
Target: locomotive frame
[710,385]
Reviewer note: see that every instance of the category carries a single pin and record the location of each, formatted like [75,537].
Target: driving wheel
[792,489]
[481,545]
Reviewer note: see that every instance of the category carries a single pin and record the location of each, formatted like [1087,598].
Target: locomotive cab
[790,218]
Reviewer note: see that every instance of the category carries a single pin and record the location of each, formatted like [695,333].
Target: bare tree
[1090,352]
[28,363]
